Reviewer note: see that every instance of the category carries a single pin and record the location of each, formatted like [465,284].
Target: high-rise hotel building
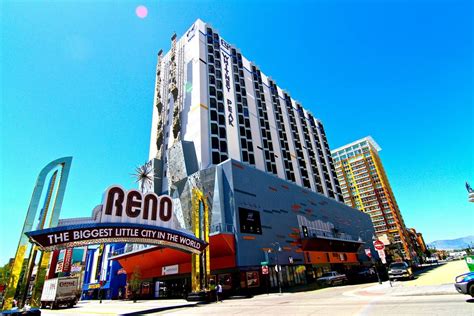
[223,130]
[365,186]
[209,94]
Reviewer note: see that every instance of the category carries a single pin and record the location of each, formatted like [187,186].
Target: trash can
[470,263]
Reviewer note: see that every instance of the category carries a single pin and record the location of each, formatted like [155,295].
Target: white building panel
[273,129]
[309,167]
[233,142]
[192,51]
[291,143]
[94,267]
[247,65]
[255,125]
[314,141]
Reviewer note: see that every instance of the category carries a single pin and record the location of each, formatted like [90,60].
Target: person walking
[219,292]
[213,289]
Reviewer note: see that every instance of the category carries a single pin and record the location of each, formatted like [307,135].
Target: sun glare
[141,11]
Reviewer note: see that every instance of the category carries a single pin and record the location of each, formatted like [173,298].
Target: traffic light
[305,231]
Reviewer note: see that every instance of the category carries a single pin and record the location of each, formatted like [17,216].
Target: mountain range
[451,244]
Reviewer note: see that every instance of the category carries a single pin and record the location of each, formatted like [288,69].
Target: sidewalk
[443,274]
[438,280]
[115,307]
[398,289]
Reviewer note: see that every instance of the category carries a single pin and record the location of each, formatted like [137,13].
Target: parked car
[400,270]
[332,278]
[465,283]
[432,260]
[21,312]
[366,272]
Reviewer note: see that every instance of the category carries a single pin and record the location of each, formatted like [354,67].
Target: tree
[135,281]
[470,248]
[431,251]
[5,274]
[144,176]
[21,287]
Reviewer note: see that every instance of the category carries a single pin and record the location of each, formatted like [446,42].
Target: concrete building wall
[279,204]
[228,108]
[365,186]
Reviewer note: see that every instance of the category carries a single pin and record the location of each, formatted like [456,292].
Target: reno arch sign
[121,206]
[126,216]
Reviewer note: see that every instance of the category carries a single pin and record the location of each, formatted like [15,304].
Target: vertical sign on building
[60,262]
[229,101]
[368,253]
[59,267]
[67,260]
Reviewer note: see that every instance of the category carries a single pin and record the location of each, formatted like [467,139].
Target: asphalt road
[365,299]
[348,300]
[432,293]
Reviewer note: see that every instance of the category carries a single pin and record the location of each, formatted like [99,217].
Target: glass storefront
[290,276]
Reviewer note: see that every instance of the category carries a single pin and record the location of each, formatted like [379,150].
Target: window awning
[150,261]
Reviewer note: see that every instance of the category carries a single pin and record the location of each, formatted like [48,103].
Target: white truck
[60,291]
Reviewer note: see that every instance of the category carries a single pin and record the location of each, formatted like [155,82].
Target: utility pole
[375,268]
[277,250]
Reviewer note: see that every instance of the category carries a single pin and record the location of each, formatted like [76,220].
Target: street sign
[264,269]
[277,268]
[378,245]
[470,263]
[368,253]
[264,263]
[382,256]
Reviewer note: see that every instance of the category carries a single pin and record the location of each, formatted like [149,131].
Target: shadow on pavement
[239,297]
[158,309]
[303,288]
[470,300]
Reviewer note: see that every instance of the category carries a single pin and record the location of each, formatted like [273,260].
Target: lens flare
[189,86]
[141,11]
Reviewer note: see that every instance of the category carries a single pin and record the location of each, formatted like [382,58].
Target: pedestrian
[219,292]
[213,290]
[27,306]
[15,304]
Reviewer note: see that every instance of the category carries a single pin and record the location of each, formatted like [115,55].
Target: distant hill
[451,244]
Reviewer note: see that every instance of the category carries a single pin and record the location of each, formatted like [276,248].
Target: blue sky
[77,78]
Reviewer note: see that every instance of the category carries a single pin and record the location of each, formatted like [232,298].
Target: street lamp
[277,248]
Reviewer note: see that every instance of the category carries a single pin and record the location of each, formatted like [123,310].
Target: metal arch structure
[50,211]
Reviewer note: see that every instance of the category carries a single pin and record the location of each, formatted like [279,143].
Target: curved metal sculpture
[48,217]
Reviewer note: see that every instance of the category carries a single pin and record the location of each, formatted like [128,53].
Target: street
[351,300]
[402,298]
